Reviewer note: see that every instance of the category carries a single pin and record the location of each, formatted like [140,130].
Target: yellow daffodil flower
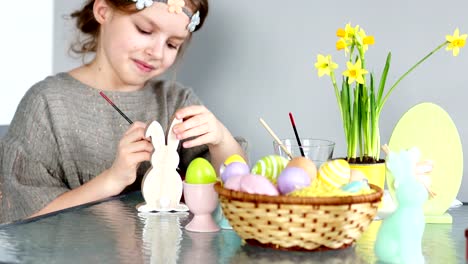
[341,33]
[325,65]
[341,44]
[456,42]
[366,40]
[368,94]
[355,72]
[350,31]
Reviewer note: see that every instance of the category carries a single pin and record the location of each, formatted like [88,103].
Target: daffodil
[325,65]
[341,33]
[355,72]
[347,38]
[341,44]
[455,42]
[361,99]
[350,31]
[366,40]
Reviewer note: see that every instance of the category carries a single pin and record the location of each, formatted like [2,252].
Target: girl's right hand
[133,149]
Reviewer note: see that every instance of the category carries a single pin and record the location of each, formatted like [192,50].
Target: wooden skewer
[386,149]
[276,138]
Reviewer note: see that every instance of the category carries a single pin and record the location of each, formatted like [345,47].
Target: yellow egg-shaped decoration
[335,173]
[229,160]
[234,158]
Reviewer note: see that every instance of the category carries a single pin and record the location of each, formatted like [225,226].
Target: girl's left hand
[199,124]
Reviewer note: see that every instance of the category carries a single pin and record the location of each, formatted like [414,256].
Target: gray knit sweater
[64,133]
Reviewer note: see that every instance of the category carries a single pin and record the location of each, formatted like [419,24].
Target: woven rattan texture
[299,226]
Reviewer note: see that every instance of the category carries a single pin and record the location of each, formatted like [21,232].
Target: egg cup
[201,200]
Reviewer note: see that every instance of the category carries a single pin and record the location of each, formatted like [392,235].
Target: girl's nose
[155,50]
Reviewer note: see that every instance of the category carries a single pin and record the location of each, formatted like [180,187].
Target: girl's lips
[143,66]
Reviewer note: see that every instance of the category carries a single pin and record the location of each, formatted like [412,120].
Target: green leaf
[383,78]
[356,125]
[373,140]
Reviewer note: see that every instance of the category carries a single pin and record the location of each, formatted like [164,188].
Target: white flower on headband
[175,6]
[194,22]
[140,4]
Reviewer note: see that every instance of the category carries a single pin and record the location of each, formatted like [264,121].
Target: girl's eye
[142,31]
[172,46]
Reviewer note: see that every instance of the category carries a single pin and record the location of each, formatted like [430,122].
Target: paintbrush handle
[276,138]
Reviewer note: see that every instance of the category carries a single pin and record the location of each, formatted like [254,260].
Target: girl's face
[137,47]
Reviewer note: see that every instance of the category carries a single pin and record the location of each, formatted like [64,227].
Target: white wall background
[256,59]
[27,47]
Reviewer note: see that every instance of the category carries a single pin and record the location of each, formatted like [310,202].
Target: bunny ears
[158,137]
[422,168]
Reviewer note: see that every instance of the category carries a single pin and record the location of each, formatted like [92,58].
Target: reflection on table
[112,231]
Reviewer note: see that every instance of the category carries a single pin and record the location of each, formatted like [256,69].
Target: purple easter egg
[233,169]
[291,179]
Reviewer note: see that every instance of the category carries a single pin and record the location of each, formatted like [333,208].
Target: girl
[67,146]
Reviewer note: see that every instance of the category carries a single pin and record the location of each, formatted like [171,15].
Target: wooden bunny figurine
[162,185]
[400,235]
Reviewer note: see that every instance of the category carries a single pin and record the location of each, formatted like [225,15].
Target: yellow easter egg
[335,173]
[229,160]
[234,158]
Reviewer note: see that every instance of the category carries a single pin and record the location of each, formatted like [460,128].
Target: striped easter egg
[270,166]
[335,173]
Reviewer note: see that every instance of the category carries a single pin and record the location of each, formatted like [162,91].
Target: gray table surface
[112,231]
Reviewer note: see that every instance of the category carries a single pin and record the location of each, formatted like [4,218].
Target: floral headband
[176,7]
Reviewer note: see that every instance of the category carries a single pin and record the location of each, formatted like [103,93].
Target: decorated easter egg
[270,166]
[233,183]
[305,164]
[257,184]
[356,186]
[357,175]
[229,160]
[200,171]
[234,158]
[234,168]
[291,179]
[335,173]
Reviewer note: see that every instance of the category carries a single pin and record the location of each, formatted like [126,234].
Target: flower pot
[374,172]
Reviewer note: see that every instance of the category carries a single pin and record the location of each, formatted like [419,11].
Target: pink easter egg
[257,184]
[233,183]
[233,169]
[291,179]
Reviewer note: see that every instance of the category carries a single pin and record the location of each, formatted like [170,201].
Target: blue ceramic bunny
[399,237]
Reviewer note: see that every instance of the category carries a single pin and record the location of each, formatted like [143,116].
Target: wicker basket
[299,223]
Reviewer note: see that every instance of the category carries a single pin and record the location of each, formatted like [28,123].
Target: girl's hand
[133,149]
[200,124]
